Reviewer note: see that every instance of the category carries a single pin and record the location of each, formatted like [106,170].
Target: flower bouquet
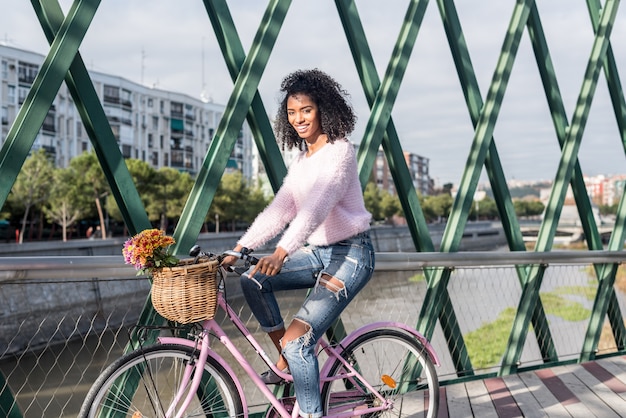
[149,251]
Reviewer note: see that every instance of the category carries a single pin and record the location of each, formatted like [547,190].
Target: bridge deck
[593,389]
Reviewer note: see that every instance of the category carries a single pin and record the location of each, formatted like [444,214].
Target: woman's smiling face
[303,115]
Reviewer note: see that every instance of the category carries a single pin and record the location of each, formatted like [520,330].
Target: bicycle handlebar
[197,252]
[244,254]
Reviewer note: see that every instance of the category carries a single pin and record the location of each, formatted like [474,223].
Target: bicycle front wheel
[396,365]
[144,383]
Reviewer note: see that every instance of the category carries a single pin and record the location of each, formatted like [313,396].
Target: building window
[11,94]
[22,92]
[150,102]
[127,117]
[48,123]
[126,151]
[126,97]
[150,140]
[5,115]
[27,72]
[189,112]
[111,94]
[155,122]
[5,69]
[176,110]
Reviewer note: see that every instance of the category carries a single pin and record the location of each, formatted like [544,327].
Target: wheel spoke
[396,365]
[144,384]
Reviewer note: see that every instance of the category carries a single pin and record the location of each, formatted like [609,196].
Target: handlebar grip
[195,251]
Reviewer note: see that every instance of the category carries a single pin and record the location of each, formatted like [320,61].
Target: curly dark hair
[337,117]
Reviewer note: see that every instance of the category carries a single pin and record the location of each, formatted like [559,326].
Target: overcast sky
[168,44]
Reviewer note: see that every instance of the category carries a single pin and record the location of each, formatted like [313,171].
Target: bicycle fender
[391,325]
[216,357]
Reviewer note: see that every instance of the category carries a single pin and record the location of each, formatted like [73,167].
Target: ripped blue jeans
[351,261]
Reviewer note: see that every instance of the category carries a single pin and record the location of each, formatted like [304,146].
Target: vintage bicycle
[380,369]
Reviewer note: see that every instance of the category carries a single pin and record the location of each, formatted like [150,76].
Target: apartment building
[163,128]
[418,169]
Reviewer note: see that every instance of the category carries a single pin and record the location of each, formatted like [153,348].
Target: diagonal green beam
[370,81]
[31,115]
[257,118]
[484,128]
[237,107]
[209,176]
[559,119]
[572,141]
[387,93]
[606,301]
[530,292]
[8,405]
[480,145]
[473,98]
[96,125]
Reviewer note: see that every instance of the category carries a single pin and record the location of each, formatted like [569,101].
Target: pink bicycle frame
[212,327]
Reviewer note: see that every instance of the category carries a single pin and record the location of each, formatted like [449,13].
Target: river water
[53,383]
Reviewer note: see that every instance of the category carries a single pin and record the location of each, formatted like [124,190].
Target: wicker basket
[186,293]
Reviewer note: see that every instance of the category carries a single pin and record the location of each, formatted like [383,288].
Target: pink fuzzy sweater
[320,200]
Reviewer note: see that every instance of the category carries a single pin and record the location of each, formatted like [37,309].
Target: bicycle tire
[160,369]
[382,356]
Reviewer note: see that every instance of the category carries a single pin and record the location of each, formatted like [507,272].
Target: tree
[487,209]
[32,185]
[234,191]
[256,202]
[372,198]
[91,185]
[64,207]
[390,205]
[144,178]
[528,208]
[608,209]
[427,209]
[168,195]
[439,205]
[236,201]
[380,203]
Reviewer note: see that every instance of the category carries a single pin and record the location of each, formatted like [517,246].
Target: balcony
[111,100]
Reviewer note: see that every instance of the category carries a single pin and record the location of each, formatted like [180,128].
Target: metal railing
[66,318]
[113,266]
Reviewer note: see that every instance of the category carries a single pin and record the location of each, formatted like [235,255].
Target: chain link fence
[57,334]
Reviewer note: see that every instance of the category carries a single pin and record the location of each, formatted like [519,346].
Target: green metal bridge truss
[63,63]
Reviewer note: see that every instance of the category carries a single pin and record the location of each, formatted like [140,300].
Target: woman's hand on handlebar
[270,265]
[230,260]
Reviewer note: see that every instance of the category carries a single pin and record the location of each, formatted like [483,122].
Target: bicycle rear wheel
[143,384]
[392,362]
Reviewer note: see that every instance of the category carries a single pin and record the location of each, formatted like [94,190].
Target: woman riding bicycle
[325,243]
